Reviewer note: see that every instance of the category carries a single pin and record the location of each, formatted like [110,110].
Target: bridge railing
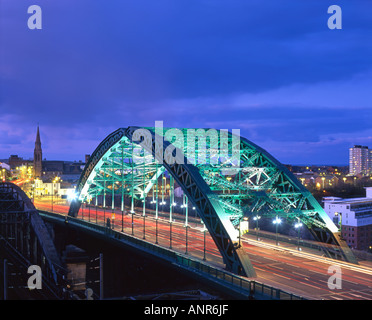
[241,285]
[251,287]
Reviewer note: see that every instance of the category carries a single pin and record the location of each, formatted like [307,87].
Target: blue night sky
[270,68]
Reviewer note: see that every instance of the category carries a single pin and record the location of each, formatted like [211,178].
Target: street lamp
[256,218]
[229,179]
[277,222]
[144,217]
[298,226]
[185,207]
[204,230]
[55,180]
[52,193]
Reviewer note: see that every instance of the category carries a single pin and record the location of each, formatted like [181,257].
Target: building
[55,188]
[355,218]
[49,169]
[14,161]
[360,160]
[38,156]
[67,170]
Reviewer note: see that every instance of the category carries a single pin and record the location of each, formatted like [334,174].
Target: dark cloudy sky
[270,68]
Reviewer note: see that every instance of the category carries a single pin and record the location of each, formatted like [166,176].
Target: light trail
[275,266]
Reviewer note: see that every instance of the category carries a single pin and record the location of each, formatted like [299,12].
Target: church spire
[38,141]
[38,155]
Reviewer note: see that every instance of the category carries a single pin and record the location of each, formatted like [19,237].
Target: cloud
[272,69]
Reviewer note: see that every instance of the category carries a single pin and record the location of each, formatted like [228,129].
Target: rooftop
[337,200]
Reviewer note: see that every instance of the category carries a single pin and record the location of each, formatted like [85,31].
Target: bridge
[185,195]
[222,189]
[27,241]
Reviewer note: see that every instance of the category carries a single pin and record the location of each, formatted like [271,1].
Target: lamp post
[53,182]
[97,208]
[157,206]
[82,210]
[256,218]
[89,200]
[52,193]
[204,230]
[144,218]
[277,221]
[144,200]
[171,205]
[185,206]
[229,179]
[298,226]
[163,189]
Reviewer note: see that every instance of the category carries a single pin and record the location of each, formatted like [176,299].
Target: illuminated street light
[277,222]
[298,226]
[89,199]
[256,218]
[71,195]
[204,230]
[55,180]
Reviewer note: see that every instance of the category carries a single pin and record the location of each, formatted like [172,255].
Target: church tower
[38,156]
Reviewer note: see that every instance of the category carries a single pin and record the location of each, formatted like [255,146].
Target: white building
[4,166]
[360,160]
[355,217]
[49,188]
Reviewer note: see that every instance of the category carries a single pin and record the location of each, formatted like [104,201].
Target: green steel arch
[224,176]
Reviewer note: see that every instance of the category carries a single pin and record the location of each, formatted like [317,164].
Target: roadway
[301,273]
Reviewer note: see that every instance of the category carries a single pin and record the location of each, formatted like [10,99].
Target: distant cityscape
[343,191]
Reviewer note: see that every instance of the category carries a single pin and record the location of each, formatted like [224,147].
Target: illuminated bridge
[185,195]
[223,176]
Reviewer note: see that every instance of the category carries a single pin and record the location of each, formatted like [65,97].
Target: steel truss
[223,189]
[27,238]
